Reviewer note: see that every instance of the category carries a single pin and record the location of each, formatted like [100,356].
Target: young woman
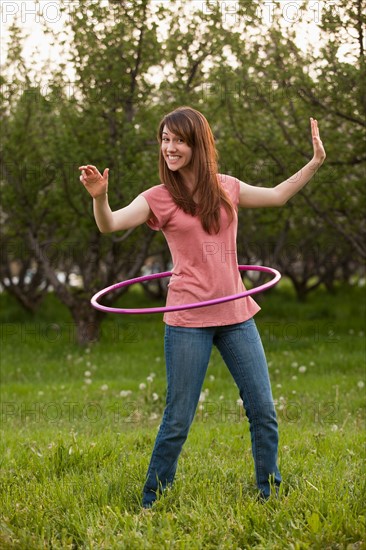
[196,209]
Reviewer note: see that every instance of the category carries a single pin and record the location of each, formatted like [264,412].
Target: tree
[108,121]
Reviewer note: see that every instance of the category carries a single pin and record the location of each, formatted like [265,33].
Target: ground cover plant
[78,425]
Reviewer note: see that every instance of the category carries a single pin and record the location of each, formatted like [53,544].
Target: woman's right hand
[94,182]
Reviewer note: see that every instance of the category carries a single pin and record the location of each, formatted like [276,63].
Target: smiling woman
[196,209]
[175,151]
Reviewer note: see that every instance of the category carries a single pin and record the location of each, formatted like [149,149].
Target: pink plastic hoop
[144,278]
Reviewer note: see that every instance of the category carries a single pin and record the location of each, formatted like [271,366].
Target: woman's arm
[136,213]
[258,197]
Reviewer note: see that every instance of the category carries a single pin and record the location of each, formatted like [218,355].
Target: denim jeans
[187,353]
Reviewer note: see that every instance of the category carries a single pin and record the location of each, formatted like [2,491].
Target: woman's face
[176,152]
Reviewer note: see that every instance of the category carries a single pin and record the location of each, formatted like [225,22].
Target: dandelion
[87,373]
[211,378]
[149,379]
[88,381]
[294,377]
[152,374]
[125,393]
[294,365]
[104,387]
[155,396]
[360,384]
[153,416]
[279,386]
[142,386]
[334,428]
[239,402]
[221,397]
[302,369]
[202,397]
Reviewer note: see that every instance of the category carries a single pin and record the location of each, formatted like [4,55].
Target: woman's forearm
[103,214]
[296,182]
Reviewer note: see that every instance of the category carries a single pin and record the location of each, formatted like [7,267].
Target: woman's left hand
[319,151]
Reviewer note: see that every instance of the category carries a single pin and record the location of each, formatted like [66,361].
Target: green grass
[74,449]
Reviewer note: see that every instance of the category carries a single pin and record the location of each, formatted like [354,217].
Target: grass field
[78,426]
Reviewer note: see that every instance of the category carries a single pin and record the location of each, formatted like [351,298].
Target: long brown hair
[193,128]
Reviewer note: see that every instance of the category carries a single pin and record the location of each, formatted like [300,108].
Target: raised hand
[94,182]
[319,151]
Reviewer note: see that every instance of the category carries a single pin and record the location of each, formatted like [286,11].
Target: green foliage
[133,62]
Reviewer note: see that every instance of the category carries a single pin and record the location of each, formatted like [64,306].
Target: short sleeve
[161,205]
[232,187]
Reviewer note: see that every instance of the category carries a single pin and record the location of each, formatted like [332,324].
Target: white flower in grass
[239,402]
[211,378]
[152,374]
[279,386]
[155,397]
[153,416]
[202,397]
[294,365]
[334,428]
[294,377]
[104,387]
[201,407]
[360,384]
[221,397]
[88,381]
[142,386]
[87,373]
[302,369]
[125,393]
[149,379]
[312,364]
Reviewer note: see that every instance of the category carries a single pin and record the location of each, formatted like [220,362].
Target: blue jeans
[187,353]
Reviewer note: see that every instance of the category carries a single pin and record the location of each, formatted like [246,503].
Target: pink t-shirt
[204,266]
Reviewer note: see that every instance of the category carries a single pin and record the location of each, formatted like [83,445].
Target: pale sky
[38,48]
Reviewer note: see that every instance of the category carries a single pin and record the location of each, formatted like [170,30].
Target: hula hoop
[152,276]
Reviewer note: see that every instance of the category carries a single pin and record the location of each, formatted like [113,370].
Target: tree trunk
[87,323]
